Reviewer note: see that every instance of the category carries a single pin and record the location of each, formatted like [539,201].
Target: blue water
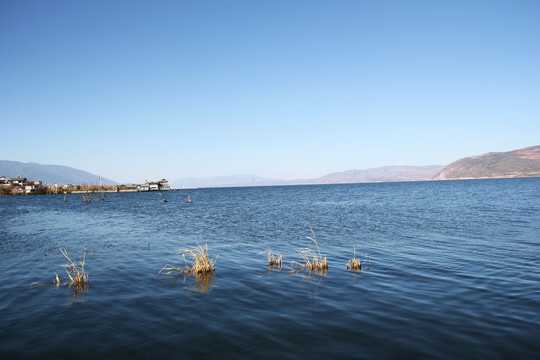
[455,273]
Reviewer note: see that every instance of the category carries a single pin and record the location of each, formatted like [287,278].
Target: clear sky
[136,90]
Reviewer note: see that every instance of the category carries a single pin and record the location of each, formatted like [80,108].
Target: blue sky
[136,90]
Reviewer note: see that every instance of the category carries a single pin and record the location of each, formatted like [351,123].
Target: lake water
[455,273]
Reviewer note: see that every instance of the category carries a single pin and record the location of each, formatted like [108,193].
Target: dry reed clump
[311,260]
[354,264]
[76,273]
[201,262]
[273,260]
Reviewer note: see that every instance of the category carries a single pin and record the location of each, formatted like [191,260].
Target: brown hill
[511,164]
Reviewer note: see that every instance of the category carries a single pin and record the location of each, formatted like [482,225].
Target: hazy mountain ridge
[380,174]
[226,181]
[518,163]
[50,174]
[511,164]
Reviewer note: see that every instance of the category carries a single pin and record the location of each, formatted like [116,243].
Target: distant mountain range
[381,174]
[226,181]
[518,163]
[50,174]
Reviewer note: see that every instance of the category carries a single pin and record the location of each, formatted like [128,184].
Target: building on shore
[161,185]
[143,187]
[19,184]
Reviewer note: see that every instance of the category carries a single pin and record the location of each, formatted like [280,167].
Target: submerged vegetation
[273,260]
[202,267]
[311,260]
[75,272]
[87,197]
[354,264]
[201,263]
[197,262]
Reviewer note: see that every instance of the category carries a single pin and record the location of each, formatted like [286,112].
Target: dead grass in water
[273,260]
[311,260]
[355,264]
[75,272]
[201,263]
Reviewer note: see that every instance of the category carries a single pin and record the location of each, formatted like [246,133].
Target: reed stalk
[273,260]
[75,272]
[367,260]
[201,263]
[354,264]
[311,260]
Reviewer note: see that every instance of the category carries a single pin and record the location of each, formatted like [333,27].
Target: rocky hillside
[511,164]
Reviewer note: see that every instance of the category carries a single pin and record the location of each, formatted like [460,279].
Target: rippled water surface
[455,273]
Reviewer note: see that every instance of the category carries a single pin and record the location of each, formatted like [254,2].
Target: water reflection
[274,268]
[195,283]
[310,281]
[204,283]
[78,293]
